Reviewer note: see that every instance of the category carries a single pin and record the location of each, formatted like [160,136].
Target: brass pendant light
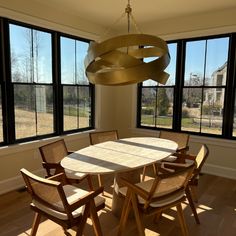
[107,63]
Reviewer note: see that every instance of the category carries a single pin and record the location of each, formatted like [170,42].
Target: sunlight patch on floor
[168,216]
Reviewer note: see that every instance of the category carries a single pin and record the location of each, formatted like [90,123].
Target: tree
[163,102]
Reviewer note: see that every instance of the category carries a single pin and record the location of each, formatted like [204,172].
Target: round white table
[120,155]
[123,155]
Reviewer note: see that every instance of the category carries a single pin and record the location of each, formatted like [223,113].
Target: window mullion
[228,114]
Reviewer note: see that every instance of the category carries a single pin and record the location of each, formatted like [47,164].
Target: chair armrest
[86,198]
[61,177]
[181,157]
[139,191]
[183,150]
[170,167]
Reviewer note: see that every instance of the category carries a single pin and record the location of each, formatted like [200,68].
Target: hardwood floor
[216,208]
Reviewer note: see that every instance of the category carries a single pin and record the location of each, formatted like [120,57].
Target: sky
[216,55]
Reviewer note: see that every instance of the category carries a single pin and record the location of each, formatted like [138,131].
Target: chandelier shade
[120,60]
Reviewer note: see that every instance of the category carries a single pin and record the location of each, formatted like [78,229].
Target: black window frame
[8,92]
[230,93]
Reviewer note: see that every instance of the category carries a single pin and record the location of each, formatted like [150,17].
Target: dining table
[122,157]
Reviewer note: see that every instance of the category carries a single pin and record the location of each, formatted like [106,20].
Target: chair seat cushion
[73,194]
[167,186]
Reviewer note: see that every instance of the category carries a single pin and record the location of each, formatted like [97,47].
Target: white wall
[115,106]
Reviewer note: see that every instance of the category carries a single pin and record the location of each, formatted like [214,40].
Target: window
[157,100]
[44,91]
[31,75]
[204,85]
[76,89]
[202,97]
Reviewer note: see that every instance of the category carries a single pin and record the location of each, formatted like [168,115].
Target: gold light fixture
[119,60]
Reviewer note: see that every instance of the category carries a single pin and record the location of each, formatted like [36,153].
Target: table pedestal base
[117,202]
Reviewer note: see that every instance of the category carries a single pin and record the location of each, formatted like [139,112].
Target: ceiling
[106,12]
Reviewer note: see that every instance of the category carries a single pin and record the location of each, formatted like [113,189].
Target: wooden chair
[103,136]
[154,196]
[64,204]
[185,160]
[180,138]
[52,154]
[100,137]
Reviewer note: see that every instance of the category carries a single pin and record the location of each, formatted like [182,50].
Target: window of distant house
[157,99]
[77,103]
[31,76]
[204,85]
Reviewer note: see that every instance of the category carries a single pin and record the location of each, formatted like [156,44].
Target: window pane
[194,63]
[33,110]
[73,53]
[212,111]
[164,107]
[148,106]
[191,109]
[84,107]
[71,111]
[31,55]
[216,62]
[171,68]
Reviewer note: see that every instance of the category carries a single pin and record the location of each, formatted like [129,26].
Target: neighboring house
[215,96]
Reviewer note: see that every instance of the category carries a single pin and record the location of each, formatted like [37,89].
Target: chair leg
[193,189]
[35,224]
[124,213]
[191,204]
[140,226]
[90,184]
[144,173]
[157,216]
[100,181]
[182,220]
[83,221]
[95,219]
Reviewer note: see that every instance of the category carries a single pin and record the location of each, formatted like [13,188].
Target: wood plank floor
[216,208]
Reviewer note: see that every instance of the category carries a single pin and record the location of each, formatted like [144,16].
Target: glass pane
[1,122]
[31,55]
[164,107]
[148,106]
[212,111]
[70,107]
[194,63]
[191,109]
[73,53]
[33,110]
[171,68]
[216,61]
[84,107]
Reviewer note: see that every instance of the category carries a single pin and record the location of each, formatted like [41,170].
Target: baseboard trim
[16,182]
[219,171]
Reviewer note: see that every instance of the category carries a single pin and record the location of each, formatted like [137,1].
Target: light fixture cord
[128,11]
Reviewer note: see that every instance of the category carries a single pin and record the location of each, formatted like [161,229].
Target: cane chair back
[52,154]
[103,136]
[180,138]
